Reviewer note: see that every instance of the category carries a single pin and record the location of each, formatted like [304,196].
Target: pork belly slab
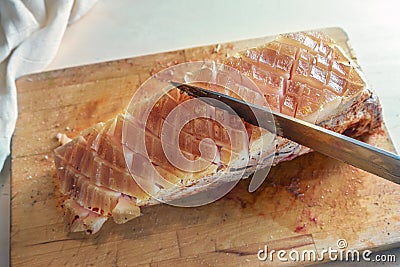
[304,75]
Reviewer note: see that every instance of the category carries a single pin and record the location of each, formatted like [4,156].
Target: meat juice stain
[309,194]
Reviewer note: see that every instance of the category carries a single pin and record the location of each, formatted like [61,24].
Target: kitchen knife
[349,150]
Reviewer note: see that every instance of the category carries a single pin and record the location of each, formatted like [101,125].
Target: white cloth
[30,34]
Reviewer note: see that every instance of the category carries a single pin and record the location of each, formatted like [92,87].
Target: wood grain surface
[307,203]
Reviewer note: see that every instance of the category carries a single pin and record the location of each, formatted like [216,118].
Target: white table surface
[116,29]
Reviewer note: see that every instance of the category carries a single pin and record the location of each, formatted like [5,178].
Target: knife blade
[343,148]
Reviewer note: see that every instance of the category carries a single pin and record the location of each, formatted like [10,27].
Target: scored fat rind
[305,75]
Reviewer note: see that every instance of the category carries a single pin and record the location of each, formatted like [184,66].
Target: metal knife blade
[346,149]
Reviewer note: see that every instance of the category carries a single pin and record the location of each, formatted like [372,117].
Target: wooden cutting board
[307,203]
